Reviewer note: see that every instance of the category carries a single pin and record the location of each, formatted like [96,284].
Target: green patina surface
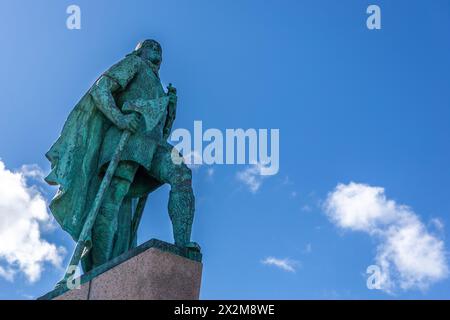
[113,152]
[153,243]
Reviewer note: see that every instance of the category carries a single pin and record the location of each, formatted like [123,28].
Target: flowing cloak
[74,156]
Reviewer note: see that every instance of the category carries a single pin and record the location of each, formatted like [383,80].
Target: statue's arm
[112,81]
[102,94]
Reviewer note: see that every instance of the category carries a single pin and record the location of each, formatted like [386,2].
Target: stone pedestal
[155,270]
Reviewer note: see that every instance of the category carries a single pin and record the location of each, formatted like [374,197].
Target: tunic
[141,82]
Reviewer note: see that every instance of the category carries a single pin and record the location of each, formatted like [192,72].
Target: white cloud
[7,274]
[409,255]
[32,171]
[284,264]
[23,211]
[252,177]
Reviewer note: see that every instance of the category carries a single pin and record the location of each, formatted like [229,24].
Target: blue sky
[352,105]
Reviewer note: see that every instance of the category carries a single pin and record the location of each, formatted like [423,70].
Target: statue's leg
[105,226]
[181,199]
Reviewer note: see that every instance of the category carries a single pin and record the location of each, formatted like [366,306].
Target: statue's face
[152,54]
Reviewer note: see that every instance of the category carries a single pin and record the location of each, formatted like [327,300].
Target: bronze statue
[113,149]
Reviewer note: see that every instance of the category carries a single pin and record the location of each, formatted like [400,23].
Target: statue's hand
[172,94]
[129,122]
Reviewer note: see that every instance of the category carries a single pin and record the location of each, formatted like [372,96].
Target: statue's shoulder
[124,70]
[130,62]
[133,61]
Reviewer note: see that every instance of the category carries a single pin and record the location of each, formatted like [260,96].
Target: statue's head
[150,50]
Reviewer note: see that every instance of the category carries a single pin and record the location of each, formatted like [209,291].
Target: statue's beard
[155,68]
[153,65]
[155,62]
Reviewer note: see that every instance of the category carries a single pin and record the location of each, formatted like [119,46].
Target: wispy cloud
[287,181]
[252,177]
[7,274]
[28,296]
[308,248]
[210,172]
[23,211]
[408,254]
[32,171]
[284,264]
[437,224]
